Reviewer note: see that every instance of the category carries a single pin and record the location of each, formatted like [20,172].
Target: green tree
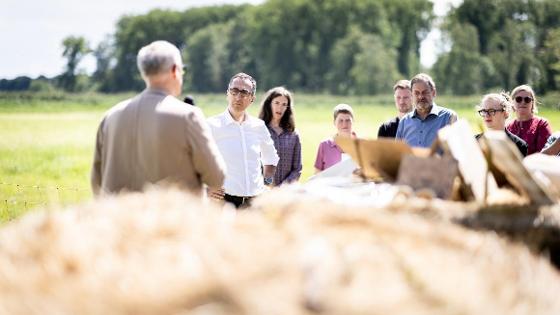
[410,22]
[207,58]
[463,69]
[104,59]
[134,32]
[75,49]
[550,55]
[374,73]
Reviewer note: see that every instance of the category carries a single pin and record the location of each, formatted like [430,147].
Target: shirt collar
[155,91]
[434,111]
[228,119]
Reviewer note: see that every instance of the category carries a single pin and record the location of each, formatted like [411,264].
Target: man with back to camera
[154,138]
[403,103]
[245,144]
[419,128]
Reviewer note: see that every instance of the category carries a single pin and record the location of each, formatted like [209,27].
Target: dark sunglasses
[527,99]
[489,112]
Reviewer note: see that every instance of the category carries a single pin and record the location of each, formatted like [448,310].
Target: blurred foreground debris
[296,252]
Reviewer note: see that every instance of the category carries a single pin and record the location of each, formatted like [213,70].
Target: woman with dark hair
[531,128]
[277,112]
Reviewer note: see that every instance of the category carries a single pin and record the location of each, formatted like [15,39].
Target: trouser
[239,202]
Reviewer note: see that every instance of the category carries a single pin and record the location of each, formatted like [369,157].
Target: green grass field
[46,144]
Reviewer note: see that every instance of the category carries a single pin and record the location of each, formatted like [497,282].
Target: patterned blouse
[534,131]
[288,147]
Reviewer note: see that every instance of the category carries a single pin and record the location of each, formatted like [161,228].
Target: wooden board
[458,140]
[435,173]
[379,159]
[505,156]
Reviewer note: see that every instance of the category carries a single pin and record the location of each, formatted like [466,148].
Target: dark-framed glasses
[527,99]
[489,112]
[242,93]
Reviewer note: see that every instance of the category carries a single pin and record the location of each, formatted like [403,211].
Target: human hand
[216,193]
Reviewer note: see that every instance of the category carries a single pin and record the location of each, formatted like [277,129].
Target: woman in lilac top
[531,128]
[278,115]
[329,153]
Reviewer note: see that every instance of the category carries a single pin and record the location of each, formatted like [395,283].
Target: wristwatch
[268,180]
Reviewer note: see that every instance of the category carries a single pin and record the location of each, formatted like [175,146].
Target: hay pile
[164,252]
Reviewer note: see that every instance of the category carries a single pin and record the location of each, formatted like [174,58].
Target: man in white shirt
[245,144]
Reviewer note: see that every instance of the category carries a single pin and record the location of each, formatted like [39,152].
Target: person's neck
[401,115]
[424,113]
[525,117]
[237,116]
[161,85]
[275,123]
[499,128]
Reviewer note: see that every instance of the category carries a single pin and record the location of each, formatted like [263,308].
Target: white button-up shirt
[245,147]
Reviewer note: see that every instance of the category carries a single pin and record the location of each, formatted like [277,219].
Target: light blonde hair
[501,98]
[402,84]
[529,89]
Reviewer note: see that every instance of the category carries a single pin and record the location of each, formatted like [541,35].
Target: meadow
[46,142]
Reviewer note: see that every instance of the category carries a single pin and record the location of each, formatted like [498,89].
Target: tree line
[333,46]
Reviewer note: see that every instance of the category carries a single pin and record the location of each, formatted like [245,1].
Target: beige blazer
[155,138]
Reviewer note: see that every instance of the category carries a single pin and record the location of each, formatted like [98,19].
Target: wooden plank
[458,140]
[505,156]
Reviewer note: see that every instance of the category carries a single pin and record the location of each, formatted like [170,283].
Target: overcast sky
[31,33]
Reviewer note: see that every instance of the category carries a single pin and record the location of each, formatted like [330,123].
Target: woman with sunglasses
[494,109]
[278,115]
[531,128]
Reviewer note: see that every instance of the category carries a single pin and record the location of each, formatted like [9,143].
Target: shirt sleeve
[207,159]
[549,142]
[543,133]
[97,161]
[400,130]
[319,159]
[296,162]
[381,131]
[268,152]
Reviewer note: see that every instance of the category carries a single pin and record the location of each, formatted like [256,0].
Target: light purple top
[328,154]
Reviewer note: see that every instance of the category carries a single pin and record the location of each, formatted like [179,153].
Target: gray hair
[423,77]
[244,76]
[158,57]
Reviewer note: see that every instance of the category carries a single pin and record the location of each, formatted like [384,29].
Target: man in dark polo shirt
[403,103]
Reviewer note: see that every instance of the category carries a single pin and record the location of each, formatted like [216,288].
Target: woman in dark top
[495,109]
[277,112]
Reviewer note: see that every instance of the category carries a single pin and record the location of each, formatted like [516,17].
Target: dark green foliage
[517,44]
[336,46]
[75,49]
[17,84]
